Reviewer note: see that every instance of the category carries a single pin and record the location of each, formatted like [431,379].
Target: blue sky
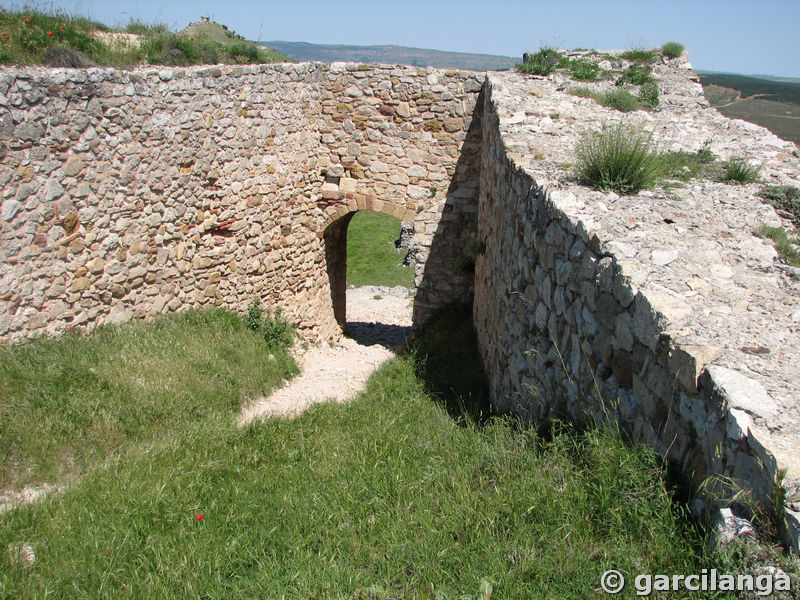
[742,36]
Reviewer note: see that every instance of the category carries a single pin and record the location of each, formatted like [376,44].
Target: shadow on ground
[369,334]
[447,360]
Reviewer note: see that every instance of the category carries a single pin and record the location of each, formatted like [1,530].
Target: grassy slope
[384,497]
[30,33]
[66,405]
[225,37]
[372,258]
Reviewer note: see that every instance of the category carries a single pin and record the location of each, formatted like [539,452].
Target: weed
[705,155]
[541,63]
[636,75]
[785,198]
[738,169]
[555,116]
[254,315]
[618,158]
[648,94]
[786,246]
[640,55]
[276,331]
[584,70]
[672,49]
[683,166]
[621,100]
[581,91]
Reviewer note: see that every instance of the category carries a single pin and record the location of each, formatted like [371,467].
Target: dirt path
[378,319]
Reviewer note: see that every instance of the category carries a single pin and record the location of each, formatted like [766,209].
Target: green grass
[619,99]
[685,166]
[66,405]
[672,49]
[787,247]
[785,198]
[33,35]
[738,169]
[384,497]
[640,55]
[387,496]
[372,258]
[636,75]
[618,158]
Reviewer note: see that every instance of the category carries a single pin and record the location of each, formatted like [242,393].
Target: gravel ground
[378,320]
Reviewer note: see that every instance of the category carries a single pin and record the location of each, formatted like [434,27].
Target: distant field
[771,104]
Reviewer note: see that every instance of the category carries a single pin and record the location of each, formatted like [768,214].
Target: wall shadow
[369,334]
[447,359]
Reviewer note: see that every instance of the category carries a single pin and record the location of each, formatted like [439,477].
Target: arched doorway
[365,261]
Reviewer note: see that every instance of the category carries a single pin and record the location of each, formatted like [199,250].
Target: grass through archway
[372,258]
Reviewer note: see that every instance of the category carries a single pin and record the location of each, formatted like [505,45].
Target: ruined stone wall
[128,194]
[660,312]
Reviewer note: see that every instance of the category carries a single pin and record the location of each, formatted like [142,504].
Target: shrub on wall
[737,169]
[618,158]
[672,49]
[541,63]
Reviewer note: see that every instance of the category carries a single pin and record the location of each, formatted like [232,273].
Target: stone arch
[334,235]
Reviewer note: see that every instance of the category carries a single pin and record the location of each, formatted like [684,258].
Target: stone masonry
[661,312]
[131,194]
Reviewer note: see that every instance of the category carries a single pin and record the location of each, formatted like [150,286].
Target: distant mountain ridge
[388,54]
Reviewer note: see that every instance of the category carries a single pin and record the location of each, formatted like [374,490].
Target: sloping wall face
[128,194]
[587,306]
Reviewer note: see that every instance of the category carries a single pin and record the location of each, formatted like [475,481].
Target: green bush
[672,49]
[648,94]
[635,75]
[581,91]
[785,198]
[276,330]
[737,169]
[584,70]
[621,100]
[541,63]
[786,246]
[617,158]
[254,315]
[639,55]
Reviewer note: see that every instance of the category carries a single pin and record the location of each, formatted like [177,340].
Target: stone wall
[659,312]
[133,193]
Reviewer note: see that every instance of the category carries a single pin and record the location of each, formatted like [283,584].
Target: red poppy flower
[61,28]
[199,517]
[27,20]
[49,33]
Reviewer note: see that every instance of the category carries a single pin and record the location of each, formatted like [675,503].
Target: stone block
[686,362]
[741,392]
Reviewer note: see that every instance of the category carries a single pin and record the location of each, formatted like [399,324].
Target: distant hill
[403,55]
[773,103]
